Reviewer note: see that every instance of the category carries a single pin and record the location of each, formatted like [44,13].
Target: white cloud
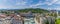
[38,4]
[58,2]
[58,8]
[5,0]
[21,3]
[48,2]
[51,2]
[16,5]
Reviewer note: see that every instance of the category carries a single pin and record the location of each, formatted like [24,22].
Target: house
[29,21]
[17,19]
[27,15]
[4,19]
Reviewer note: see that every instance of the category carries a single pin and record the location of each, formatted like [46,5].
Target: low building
[28,17]
[17,19]
[29,21]
[5,21]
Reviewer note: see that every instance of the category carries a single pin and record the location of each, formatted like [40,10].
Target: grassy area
[58,21]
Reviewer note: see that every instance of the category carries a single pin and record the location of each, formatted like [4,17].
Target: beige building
[5,21]
[17,19]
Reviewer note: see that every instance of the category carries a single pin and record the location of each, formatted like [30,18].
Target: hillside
[37,10]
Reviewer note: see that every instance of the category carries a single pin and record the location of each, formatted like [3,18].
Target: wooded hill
[36,10]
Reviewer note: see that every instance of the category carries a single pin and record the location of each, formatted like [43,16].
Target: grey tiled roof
[26,14]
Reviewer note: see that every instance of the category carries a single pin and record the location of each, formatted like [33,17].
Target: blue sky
[22,4]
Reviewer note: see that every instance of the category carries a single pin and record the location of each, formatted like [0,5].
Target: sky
[22,4]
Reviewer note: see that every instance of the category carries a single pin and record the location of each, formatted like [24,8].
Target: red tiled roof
[3,15]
